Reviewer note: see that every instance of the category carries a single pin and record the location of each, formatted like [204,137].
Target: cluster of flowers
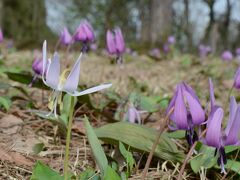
[186,113]
[115,44]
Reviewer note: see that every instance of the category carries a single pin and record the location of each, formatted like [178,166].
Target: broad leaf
[110,174]
[43,172]
[96,147]
[141,138]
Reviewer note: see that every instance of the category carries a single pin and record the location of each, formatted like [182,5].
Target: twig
[160,131]
[189,155]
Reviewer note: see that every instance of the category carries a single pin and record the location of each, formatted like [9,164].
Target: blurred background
[145,23]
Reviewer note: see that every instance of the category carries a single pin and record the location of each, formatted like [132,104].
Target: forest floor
[21,130]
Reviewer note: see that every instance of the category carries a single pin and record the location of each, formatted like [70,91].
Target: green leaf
[141,138]
[37,148]
[5,102]
[43,172]
[89,174]
[26,78]
[177,134]
[96,147]
[205,157]
[128,156]
[110,174]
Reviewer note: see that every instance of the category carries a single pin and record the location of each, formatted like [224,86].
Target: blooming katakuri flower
[187,112]
[217,138]
[85,34]
[133,115]
[204,50]
[227,55]
[60,84]
[115,43]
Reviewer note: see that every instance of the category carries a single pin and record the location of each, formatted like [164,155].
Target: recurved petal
[72,80]
[213,134]
[196,110]
[180,111]
[53,73]
[120,44]
[211,90]
[91,90]
[232,136]
[232,112]
[190,90]
[44,56]
[110,40]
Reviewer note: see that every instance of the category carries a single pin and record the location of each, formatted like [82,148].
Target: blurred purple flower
[171,40]
[217,138]
[84,33]
[37,66]
[238,51]
[115,43]
[128,50]
[58,83]
[1,35]
[187,111]
[65,37]
[236,83]
[166,48]
[93,47]
[133,115]
[204,50]
[227,55]
[155,52]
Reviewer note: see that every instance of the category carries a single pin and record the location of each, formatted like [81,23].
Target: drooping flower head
[84,34]
[187,111]
[204,50]
[227,55]
[37,65]
[58,83]
[1,35]
[155,53]
[65,37]
[217,138]
[171,40]
[115,43]
[133,115]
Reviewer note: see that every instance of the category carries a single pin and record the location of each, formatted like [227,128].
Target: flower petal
[232,112]
[232,136]
[196,110]
[53,73]
[120,45]
[213,134]
[211,90]
[111,47]
[180,111]
[72,80]
[91,90]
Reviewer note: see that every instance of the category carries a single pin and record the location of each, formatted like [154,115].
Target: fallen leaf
[10,124]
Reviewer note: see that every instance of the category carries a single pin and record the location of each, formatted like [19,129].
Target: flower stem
[68,139]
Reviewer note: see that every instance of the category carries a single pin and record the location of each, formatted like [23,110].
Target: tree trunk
[160,20]
[25,21]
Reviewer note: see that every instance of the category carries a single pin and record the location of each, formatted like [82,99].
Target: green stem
[230,92]
[68,139]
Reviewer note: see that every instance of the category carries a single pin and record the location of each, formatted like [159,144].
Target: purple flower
[171,40]
[187,111]
[227,55]
[155,52]
[133,115]
[37,66]
[204,50]
[115,43]
[84,33]
[166,48]
[238,51]
[58,83]
[65,37]
[217,138]
[236,83]
[1,35]
[93,47]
